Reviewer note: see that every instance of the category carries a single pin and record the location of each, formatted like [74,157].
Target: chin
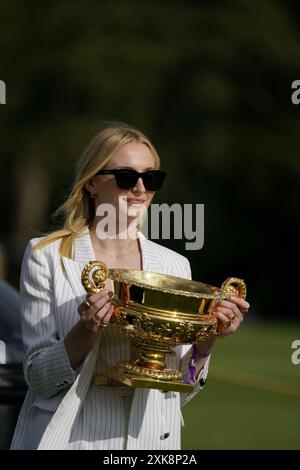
[136,211]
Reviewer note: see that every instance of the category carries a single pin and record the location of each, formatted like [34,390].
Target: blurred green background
[251,398]
[210,83]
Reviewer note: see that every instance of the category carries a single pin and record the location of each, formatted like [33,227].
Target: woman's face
[133,202]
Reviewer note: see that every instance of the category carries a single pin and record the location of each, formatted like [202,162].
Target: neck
[120,243]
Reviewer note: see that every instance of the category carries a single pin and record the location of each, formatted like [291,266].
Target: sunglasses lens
[153,180]
[126,179]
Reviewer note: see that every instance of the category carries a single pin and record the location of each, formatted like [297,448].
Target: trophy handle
[234,286]
[94,275]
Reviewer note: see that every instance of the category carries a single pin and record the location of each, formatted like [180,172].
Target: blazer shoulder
[50,250]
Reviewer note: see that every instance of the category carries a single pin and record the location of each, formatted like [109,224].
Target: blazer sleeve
[47,368]
[185,355]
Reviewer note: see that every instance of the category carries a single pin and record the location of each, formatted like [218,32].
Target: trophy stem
[152,360]
[153,356]
[149,370]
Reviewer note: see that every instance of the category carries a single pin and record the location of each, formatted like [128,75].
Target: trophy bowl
[158,312]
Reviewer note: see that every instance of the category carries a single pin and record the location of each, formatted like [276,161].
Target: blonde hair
[79,209]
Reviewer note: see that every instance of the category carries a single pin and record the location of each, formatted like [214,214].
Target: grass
[252,396]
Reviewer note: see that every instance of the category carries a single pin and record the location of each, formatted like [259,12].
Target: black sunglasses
[127,178]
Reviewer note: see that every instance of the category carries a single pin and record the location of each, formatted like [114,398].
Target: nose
[139,186]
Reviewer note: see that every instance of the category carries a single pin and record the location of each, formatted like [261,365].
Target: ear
[90,186]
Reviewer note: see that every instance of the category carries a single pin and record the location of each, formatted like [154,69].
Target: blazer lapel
[83,253]
[150,256]
[73,271]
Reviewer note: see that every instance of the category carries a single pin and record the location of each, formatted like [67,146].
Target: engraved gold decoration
[93,277]
[158,312]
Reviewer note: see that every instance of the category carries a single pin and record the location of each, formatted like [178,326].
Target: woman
[70,403]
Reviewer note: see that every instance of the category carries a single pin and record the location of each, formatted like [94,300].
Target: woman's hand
[229,314]
[95,314]
[96,311]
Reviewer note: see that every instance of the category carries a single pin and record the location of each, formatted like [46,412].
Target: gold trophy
[158,312]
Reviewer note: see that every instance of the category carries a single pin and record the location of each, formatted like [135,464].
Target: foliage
[209,82]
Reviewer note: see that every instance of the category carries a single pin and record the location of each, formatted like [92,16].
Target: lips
[136,202]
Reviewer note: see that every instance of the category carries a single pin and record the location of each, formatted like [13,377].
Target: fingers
[242,304]
[95,297]
[225,326]
[96,310]
[95,302]
[235,303]
[90,301]
[102,313]
[231,309]
[229,314]
[106,318]
[102,318]
[223,314]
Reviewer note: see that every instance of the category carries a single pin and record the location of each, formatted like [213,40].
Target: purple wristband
[190,377]
[202,356]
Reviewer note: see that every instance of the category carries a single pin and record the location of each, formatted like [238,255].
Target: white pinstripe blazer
[61,409]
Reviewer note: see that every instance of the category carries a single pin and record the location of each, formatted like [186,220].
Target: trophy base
[141,381]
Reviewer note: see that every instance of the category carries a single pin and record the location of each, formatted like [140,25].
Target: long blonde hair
[79,209]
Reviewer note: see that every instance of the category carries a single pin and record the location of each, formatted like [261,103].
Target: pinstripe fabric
[62,410]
